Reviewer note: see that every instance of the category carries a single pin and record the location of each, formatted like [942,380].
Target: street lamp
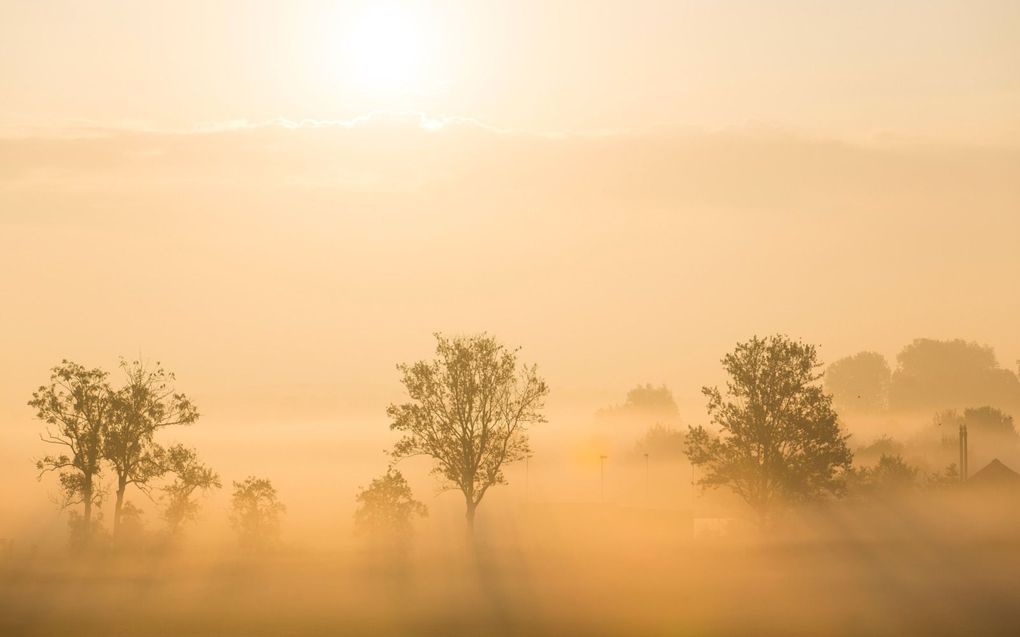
[602,472]
[646,478]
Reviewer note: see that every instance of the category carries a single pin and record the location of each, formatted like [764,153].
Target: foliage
[145,404]
[780,438]
[469,410]
[881,446]
[891,475]
[256,514]
[859,383]
[76,406]
[893,472]
[662,443]
[386,507]
[935,374]
[989,421]
[948,477]
[190,475]
[645,404]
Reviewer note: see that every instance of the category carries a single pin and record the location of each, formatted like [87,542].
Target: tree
[935,375]
[989,421]
[190,475]
[645,405]
[386,509]
[469,410]
[948,477]
[891,475]
[881,446]
[145,404]
[991,432]
[256,514]
[76,406]
[859,383]
[780,439]
[661,442]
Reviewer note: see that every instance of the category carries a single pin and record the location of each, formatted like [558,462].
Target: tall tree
[469,411]
[780,439]
[146,404]
[190,475]
[256,514]
[76,407]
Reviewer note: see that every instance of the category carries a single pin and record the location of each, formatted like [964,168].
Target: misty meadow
[509,318]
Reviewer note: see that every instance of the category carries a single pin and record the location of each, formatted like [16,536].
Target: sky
[282,201]
[941,70]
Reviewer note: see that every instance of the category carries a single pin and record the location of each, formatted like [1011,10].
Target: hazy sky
[623,189]
[843,172]
[936,69]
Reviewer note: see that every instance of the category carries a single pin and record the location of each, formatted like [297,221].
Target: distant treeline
[930,375]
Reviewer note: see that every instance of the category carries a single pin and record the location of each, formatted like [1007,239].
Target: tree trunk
[86,530]
[470,517]
[119,506]
[87,493]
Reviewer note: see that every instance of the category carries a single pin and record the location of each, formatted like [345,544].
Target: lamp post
[527,478]
[602,475]
[646,479]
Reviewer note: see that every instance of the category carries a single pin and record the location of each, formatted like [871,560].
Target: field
[567,570]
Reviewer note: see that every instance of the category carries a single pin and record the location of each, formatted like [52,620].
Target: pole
[646,478]
[527,478]
[963,453]
[602,475]
[966,454]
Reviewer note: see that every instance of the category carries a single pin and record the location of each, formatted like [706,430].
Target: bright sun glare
[387,51]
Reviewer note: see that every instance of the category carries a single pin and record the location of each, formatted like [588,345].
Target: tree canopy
[387,508]
[469,410]
[256,514]
[190,475]
[779,438]
[645,405]
[859,383]
[145,404]
[77,407]
[934,374]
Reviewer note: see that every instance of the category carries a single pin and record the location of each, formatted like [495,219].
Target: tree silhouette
[882,446]
[859,383]
[77,408]
[645,405]
[469,410]
[891,475]
[145,404]
[989,421]
[663,443]
[780,438]
[256,514]
[935,374]
[190,475]
[991,432]
[948,477]
[386,509]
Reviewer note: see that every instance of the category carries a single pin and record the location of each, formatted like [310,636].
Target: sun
[388,50]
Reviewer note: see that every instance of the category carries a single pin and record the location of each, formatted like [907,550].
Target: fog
[283,270]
